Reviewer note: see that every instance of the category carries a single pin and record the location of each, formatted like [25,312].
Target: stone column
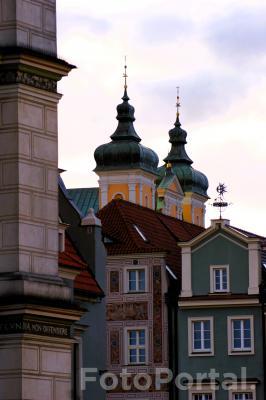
[132,192]
[36,305]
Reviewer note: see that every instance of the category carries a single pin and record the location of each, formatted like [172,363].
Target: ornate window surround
[126,349]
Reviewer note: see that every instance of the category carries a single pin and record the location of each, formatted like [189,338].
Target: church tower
[126,168]
[36,304]
[193,183]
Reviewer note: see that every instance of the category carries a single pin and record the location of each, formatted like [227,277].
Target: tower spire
[178,105]
[125,76]
[177,138]
[125,73]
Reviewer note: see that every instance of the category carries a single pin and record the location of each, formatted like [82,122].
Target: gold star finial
[125,73]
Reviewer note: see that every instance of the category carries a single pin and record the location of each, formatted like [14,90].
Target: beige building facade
[36,304]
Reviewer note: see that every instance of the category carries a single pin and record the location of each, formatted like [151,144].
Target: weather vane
[219,201]
[125,73]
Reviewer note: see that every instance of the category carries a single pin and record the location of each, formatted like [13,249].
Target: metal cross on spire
[125,73]
[177,101]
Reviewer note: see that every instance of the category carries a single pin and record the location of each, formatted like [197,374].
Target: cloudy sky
[214,50]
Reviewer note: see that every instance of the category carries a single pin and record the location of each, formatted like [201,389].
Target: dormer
[222,261]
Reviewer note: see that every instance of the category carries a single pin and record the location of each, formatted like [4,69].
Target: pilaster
[36,304]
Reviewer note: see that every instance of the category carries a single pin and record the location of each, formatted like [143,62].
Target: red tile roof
[84,281]
[162,232]
[70,257]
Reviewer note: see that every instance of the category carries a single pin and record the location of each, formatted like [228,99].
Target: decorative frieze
[114,347]
[127,311]
[157,315]
[114,281]
[8,77]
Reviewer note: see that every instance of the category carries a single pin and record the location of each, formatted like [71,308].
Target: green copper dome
[190,179]
[125,150]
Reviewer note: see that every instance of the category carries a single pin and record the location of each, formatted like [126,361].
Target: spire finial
[125,74]
[177,104]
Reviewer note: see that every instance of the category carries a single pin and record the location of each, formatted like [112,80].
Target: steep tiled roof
[70,257]
[85,198]
[85,280]
[119,221]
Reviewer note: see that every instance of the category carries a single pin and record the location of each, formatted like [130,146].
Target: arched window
[118,196]
[146,201]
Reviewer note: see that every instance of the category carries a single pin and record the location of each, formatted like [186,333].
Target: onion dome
[190,179]
[125,151]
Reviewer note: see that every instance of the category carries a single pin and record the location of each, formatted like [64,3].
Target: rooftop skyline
[215,53]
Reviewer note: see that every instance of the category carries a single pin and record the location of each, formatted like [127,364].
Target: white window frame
[213,268]
[126,344]
[126,278]
[191,350]
[231,350]
[242,388]
[201,389]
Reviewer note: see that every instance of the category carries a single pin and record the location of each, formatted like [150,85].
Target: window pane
[133,355]
[133,338]
[132,280]
[207,326]
[224,279]
[142,337]
[237,324]
[242,396]
[141,355]
[247,343]
[247,324]
[202,396]
[197,326]
[217,279]
[141,280]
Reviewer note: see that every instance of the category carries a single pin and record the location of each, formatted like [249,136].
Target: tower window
[146,201]
[118,196]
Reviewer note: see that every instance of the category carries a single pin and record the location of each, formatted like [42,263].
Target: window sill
[136,292]
[219,293]
[136,365]
[241,353]
[201,354]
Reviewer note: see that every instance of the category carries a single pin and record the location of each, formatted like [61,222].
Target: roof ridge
[152,211]
[244,231]
[83,188]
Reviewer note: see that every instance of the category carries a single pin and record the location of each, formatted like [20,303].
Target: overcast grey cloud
[164,28]
[239,37]
[204,95]
[84,22]
[214,50]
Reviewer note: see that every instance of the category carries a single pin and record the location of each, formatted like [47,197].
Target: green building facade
[220,316]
